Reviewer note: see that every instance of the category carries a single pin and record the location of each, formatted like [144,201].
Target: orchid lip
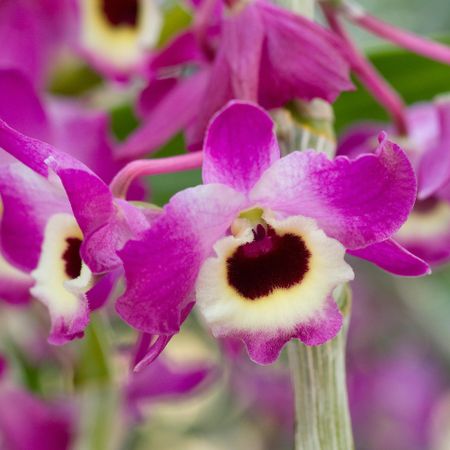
[271,275]
[61,278]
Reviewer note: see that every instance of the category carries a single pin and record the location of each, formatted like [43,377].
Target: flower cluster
[264,245]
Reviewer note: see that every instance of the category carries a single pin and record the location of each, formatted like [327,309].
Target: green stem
[318,374]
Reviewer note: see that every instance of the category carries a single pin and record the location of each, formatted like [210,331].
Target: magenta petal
[64,330]
[164,380]
[240,145]
[434,250]
[93,145]
[153,94]
[20,105]
[242,42]
[264,349]
[161,267]
[392,257]
[434,167]
[358,202]
[322,328]
[357,139]
[28,202]
[99,294]
[27,422]
[14,284]
[154,351]
[301,59]
[31,152]
[180,105]
[182,49]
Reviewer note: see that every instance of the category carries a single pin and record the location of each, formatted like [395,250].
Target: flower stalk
[369,76]
[140,167]
[318,375]
[402,38]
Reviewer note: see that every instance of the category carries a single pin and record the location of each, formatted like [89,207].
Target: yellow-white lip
[123,45]
[62,295]
[226,310]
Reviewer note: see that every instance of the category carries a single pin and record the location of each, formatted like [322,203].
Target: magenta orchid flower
[427,231]
[60,222]
[260,246]
[259,52]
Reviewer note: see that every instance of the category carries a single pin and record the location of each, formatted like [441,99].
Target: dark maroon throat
[72,258]
[121,12]
[267,263]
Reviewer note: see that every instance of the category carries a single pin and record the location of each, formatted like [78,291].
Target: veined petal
[392,257]
[180,104]
[242,41]
[61,278]
[358,202]
[20,105]
[301,59]
[28,201]
[161,266]
[240,145]
[269,289]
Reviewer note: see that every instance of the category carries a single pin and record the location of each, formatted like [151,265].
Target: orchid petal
[239,146]
[359,202]
[392,257]
[161,266]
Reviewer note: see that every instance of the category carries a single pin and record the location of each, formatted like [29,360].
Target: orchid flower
[60,221]
[258,52]
[426,233]
[260,246]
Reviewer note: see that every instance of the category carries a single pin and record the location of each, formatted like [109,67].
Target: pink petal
[28,201]
[240,145]
[161,267]
[392,257]
[358,202]
[264,349]
[180,105]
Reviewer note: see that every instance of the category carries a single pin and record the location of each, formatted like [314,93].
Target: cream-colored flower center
[60,275]
[120,31]
[271,275]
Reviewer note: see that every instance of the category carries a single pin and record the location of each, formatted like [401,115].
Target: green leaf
[414,77]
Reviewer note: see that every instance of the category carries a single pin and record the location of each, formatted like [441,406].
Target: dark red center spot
[121,12]
[267,263]
[426,206]
[72,258]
